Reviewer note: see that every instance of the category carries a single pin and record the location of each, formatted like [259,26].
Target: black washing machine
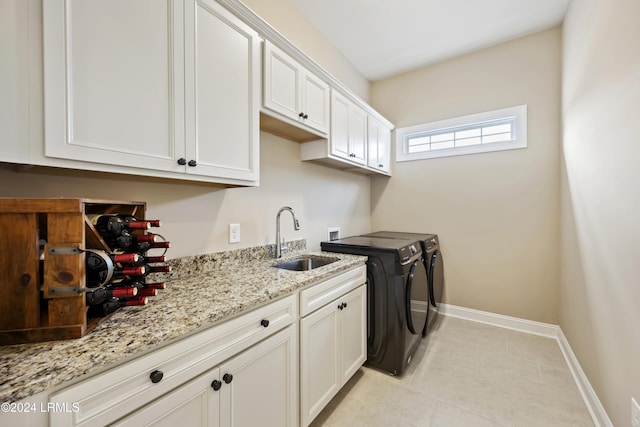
[433,263]
[397,292]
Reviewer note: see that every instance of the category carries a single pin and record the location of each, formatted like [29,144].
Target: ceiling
[383,38]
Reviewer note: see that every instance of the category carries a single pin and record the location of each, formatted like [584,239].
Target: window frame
[519,113]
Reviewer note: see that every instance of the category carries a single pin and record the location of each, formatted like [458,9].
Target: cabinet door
[113,72]
[15,81]
[260,385]
[319,360]
[358,134]
[379,146]
[348,129]
[353,332]
[193,404]
[339,138]
[315,102]
[282,77]
[223,93]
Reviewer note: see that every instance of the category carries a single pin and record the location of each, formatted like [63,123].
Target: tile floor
[466,374]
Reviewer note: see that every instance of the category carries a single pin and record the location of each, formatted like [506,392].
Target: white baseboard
[593,404]
[508,322]
[591,401]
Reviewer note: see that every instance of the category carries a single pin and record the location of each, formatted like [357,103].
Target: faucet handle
[283,248]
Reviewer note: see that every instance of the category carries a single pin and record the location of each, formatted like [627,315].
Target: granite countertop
[202,291]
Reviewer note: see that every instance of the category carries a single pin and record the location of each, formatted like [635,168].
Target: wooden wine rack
[42,301]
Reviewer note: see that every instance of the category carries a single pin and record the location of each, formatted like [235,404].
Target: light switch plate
[635,413]
[234,233]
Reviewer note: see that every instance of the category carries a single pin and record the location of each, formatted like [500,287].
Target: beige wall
[600,293]
[196,217]
[497,214]
[289,22]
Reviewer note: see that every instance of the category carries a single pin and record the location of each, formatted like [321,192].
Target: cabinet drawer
[109,396]
[316,296]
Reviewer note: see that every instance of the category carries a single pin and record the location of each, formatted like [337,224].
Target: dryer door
[377,317]
[436,278]
[417,297]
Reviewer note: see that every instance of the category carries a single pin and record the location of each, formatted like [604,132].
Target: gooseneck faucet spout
[296,226]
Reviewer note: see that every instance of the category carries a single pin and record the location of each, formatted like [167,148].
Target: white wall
[497,214]
[600,293]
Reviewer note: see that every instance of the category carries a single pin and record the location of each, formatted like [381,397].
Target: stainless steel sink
[306,263]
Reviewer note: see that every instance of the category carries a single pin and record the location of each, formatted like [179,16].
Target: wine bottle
[100,268]
[157,268]
[140,284]
[113,304]
[126,258]
[116,258]
[128,242]
[102,294]
[143,247]
[147,292]
[153,259]
[101,276]
[134,282]
[130,270]
[155,285]
[114,225]
[130,218]
[144,259]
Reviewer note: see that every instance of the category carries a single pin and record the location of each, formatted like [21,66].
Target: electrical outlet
[234,233]
[635,413]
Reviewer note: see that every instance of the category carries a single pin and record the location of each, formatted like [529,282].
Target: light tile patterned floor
[466,374]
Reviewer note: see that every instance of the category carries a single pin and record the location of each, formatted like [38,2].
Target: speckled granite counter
[203,291]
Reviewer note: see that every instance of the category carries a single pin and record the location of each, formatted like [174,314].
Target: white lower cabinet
[332,341]
[194,404]
[262,388]
[257,387]
[234,374]
[262,368]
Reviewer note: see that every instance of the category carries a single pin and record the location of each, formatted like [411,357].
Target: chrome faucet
[296,226]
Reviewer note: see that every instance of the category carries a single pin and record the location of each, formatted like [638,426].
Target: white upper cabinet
[348,138]
[112,82]
[358,141]
[223,86]
[154,85]
[379,145]
[15,79]
[294,92]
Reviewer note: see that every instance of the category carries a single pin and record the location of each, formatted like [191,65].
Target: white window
[504,129]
